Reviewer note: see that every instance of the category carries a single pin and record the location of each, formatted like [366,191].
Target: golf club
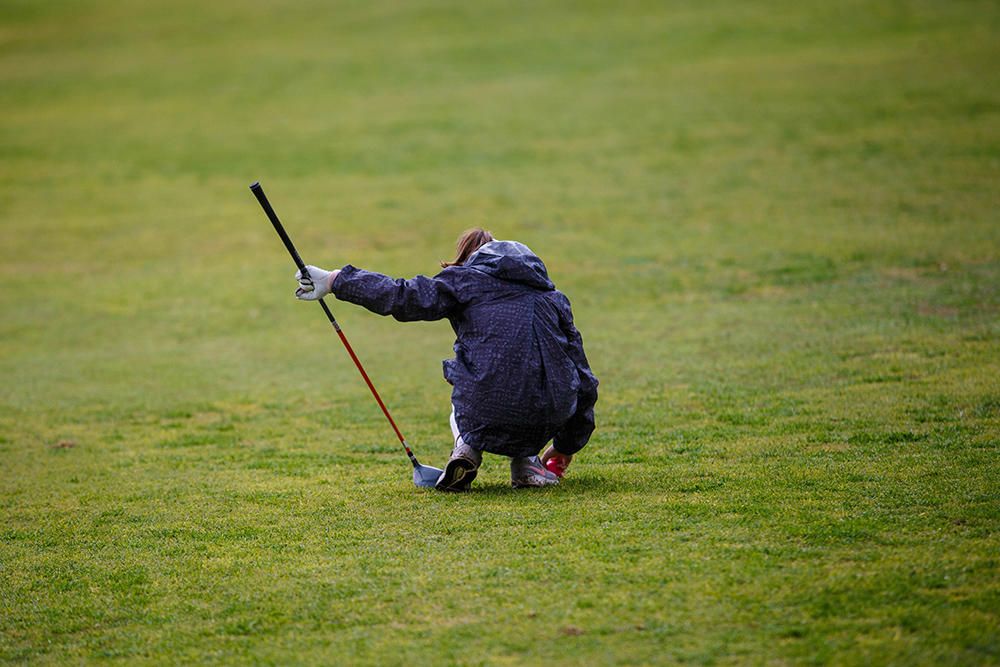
[424,476]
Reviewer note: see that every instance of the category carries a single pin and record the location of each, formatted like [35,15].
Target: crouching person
[520,377]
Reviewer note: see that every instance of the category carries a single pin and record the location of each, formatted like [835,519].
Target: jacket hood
[511,261]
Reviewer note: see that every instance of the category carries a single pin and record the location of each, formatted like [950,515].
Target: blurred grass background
[778,225]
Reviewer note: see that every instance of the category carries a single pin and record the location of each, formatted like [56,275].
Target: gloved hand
[555,461]
[316,285]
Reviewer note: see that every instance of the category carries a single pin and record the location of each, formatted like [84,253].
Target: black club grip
[273,217]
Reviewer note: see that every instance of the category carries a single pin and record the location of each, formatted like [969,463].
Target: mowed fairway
[779,224]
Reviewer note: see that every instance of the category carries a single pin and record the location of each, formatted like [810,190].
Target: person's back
[515,384]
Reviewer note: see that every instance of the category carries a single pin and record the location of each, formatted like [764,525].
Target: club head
[426,476]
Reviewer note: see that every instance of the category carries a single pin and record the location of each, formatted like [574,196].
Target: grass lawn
[779,224]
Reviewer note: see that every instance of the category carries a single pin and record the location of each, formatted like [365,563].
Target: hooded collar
[511,261]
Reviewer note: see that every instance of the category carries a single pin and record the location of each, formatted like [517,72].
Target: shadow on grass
[569,485]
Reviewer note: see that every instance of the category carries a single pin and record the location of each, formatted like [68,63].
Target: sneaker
[462,468]
[529,472]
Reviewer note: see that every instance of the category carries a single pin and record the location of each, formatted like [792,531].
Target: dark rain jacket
[520,377]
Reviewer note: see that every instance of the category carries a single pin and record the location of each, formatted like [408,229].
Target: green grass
[777,221]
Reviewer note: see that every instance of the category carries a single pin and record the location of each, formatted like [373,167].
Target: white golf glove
[316,285]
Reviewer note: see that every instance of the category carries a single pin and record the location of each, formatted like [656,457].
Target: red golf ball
[556,466]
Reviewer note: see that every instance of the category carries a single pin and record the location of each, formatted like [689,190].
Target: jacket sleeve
[575,433]
[419,298]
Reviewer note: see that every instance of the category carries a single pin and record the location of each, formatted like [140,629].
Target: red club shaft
[364,374]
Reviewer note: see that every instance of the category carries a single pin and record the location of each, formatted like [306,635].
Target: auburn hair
[469,242]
